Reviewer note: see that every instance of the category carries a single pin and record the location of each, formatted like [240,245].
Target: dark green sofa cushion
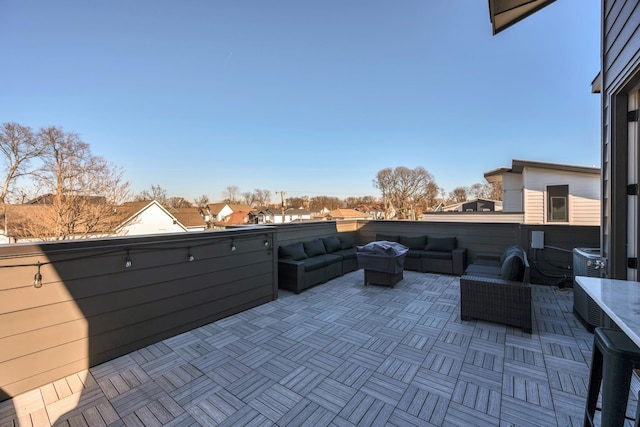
[415,242]
[446,244]
[314,248]
[331,244]
[345,242]
[294,251]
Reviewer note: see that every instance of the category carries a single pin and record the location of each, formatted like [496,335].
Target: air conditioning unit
[586,262]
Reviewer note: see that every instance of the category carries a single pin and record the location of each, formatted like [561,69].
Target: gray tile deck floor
[339,354]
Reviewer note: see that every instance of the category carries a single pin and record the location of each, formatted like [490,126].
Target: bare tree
[249,198]
[156,193]
[201,201]
[19,146]
[405,191]
[231,195]
[177,203]
[262,197]
[459,195]
[317,203]
[496,190]
[82,190]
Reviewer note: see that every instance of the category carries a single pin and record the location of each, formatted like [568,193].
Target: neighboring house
[475,205]
[193,219]
[147,217]
[550,193]
[292,215]
[235,218]
[338,214]
[219,211]
[619,87]
[439,207]
[261,216]
[374,211]
[134,218]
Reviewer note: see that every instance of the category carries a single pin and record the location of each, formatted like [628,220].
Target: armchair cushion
[512,268]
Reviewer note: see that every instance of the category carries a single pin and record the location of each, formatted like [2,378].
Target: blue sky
[308,97]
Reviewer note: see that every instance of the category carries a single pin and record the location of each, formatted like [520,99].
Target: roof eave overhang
[505,13]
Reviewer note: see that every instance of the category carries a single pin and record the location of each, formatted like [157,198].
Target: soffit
[505,13]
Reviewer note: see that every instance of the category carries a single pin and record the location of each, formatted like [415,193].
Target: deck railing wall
[91,307]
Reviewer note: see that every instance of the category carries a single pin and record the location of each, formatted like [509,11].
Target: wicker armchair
[496,300]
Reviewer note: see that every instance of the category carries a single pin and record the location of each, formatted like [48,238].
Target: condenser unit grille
[584,264]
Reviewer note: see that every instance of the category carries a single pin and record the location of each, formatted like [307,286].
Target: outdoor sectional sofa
[496,288]
[431,254]
[302,265]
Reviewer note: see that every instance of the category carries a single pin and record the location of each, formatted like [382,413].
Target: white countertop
[619,299]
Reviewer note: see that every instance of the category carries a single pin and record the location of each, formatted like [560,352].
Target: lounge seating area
[305,264]
[429,254]
[340,353]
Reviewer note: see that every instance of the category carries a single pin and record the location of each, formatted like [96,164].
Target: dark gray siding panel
[91,308]
[620,73]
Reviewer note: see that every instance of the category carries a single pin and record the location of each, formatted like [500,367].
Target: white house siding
[584,195]
[224,212]
[534,206]
[152,220]
[512,192]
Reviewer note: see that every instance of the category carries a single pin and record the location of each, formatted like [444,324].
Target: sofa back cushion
[446,244]
[415,242]
[331,244]
[345,242]
[387,237]
[314,248]
[294,251]
[513,267]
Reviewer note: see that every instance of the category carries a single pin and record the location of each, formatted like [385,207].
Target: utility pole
[282,193]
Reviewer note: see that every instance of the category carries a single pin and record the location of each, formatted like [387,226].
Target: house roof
[48,199]
[505,13]
[347,213]
[517,166]
[189,217]
[236,218]
[297,211]
[130,210]
[215,208]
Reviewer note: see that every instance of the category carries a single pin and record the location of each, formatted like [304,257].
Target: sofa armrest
[496,300]
[459,260]
[291,275]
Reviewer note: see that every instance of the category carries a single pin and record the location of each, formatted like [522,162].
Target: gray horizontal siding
[91,308]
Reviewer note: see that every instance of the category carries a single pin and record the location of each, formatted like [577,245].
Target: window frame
[554,193]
